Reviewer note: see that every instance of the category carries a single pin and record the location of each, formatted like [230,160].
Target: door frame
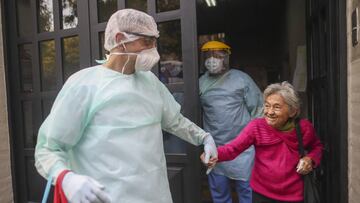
[343,98]
[333,82]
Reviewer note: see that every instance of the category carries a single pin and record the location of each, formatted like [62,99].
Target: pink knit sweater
[276,156]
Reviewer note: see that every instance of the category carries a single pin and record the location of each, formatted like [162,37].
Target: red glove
[59,196]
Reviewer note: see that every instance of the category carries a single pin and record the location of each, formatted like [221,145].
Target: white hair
[287,91]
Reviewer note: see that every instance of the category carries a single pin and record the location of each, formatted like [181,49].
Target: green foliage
[48,66]
[71,56]
[46,17]
[69,17]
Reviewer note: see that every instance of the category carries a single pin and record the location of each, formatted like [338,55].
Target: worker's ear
[119,37]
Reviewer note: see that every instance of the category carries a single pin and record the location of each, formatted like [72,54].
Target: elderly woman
[277,174]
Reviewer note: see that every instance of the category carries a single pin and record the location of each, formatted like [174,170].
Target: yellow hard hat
[215,46]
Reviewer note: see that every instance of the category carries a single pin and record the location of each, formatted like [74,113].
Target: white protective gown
[108,126]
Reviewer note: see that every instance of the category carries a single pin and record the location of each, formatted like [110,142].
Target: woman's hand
[305,165]
[211,163]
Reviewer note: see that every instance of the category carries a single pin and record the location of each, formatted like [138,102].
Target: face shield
[215,61]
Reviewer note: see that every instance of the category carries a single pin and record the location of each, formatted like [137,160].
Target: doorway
[298,41]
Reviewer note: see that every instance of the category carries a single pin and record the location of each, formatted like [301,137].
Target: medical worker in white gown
[106,123]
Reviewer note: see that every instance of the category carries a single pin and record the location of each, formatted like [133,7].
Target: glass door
[48,40]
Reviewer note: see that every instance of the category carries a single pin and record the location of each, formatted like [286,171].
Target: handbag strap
[299,136]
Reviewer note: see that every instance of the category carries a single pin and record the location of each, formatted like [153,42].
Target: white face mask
[146,59]
[214,65]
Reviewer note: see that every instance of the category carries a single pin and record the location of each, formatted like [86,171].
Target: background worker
[230,99]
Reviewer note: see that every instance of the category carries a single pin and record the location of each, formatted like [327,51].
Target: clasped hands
[209,162]
[210,156]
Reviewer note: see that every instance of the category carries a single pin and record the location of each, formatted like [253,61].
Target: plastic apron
[109,126]
[229,102]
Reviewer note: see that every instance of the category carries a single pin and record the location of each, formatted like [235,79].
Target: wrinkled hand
[305,165]
[79,188]
[209,148]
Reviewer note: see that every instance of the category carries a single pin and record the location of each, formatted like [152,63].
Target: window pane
[173,144]
[105,9]
[167,5]
[71,55]
[101,45]
[25,60]
[137,4]
[69,14]
[29,136]
[47,63]
[25,26]
[45,16]
[170,52]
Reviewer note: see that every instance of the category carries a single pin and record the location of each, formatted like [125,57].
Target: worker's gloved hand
[79,188]
[209,148]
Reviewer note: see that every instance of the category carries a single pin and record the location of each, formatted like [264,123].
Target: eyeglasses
[148,40]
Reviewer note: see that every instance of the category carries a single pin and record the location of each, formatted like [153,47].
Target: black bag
[311,186]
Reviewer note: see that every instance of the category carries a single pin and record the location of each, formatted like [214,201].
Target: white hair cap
[129,21]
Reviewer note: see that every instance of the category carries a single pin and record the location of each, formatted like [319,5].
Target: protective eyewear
[148,40]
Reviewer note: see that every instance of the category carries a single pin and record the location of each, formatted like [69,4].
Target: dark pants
[258,198]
